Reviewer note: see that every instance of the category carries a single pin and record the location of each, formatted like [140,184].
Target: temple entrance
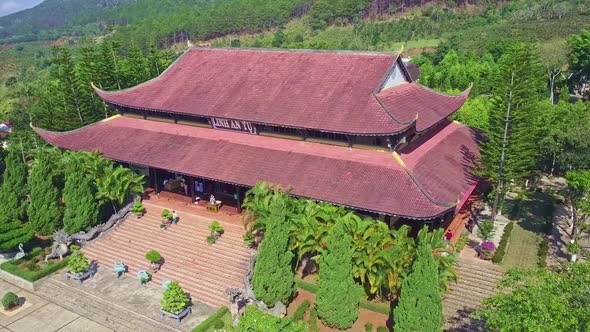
[195,190]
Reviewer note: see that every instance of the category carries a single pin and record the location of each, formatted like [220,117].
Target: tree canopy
[44,211]
[541,300]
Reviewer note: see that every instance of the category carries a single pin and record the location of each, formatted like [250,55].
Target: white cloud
[13,6]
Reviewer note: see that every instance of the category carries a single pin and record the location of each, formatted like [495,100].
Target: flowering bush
[487,248]
[488,245]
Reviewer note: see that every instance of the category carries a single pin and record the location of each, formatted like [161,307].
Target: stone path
[203,270]
[38,314]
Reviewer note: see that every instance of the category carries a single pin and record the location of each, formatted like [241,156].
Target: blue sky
[13,6]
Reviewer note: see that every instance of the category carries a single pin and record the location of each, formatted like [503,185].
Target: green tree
[420,303]
[14,189]
[136,67]
[81,208]
[44,210]
[13,232]
[274,279]
[2,162]
[510,152]
[540,300]
[337,300]
[475,113]
[278,39]
[115,184]
[579,57]
[578,198]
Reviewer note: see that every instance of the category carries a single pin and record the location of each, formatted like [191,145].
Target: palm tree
[117,184]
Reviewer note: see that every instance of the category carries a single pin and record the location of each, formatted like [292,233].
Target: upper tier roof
[328,91]
[425,182]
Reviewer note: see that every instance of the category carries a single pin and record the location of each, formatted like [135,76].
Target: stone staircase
[474,283]
[203,270]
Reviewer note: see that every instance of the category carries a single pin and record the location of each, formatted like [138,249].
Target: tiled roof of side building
[364,179]
[328,91]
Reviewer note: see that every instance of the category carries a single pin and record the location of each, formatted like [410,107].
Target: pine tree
[136,67]
[81,207]
[338,296]
[274,279]
[44,211]
[14,190]
[511,153]
[420,303]
[108,64]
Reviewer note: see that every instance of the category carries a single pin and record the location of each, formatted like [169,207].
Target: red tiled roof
[302,89]
[410,100]
[365,179]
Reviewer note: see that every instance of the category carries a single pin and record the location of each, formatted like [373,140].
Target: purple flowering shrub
[488,245]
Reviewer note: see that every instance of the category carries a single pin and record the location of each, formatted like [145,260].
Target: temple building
[349,128]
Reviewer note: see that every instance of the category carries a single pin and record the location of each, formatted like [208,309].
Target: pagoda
[349,128]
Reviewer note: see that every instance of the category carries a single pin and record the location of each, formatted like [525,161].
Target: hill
[53,19]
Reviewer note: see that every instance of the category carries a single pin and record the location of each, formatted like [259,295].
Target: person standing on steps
[174,217]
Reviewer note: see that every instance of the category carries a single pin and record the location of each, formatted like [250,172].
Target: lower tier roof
[426,181]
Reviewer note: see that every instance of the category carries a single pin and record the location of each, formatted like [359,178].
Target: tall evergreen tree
[44,211]
[2,162]
[136,66]
[14,190]
[420,304]
[338,296]
[75,97]
[274,279]
[510,153]
[81,208]
[108,64]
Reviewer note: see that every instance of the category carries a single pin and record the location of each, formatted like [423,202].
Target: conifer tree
[13,192]
[44,211]
[511,152]
[274,279]
[81,207]
[420,303]
[338,296]
[137,70]
[2,163]
[76,106]
[108,64]
[13,233]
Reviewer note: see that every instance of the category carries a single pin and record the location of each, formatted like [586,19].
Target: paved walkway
[40,315]
[103,303]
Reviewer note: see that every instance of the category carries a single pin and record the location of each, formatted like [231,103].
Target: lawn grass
[522,249]
[536,210]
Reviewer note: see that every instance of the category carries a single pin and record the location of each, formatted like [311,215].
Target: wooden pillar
[156,182]
[192,184]
[238,199]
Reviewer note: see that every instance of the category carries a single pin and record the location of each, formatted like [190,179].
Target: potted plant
[175,303]
[167,216]
[138,209]
[487,248]
[10,301]
[216,229]
[249,240]
[573,248]
[155,259]
[78,265]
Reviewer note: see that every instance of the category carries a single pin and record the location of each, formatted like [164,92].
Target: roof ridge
[293,50]
[60,133]
[422,190]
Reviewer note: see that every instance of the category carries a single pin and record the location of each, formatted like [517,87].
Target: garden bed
[31,268]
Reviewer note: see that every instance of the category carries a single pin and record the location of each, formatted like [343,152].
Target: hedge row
[211,320]
[376,307]
[501,250]
[542,253]
[12,268]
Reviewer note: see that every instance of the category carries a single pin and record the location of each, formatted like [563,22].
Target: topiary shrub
[420,303]
[10,300]
[301,310]
[542,253]
[313,321]
[369,327]
[382,329]
[78,263]
[461,242]
[174,299]
[256,320]
[501,250]
[338,295]
[153,256]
